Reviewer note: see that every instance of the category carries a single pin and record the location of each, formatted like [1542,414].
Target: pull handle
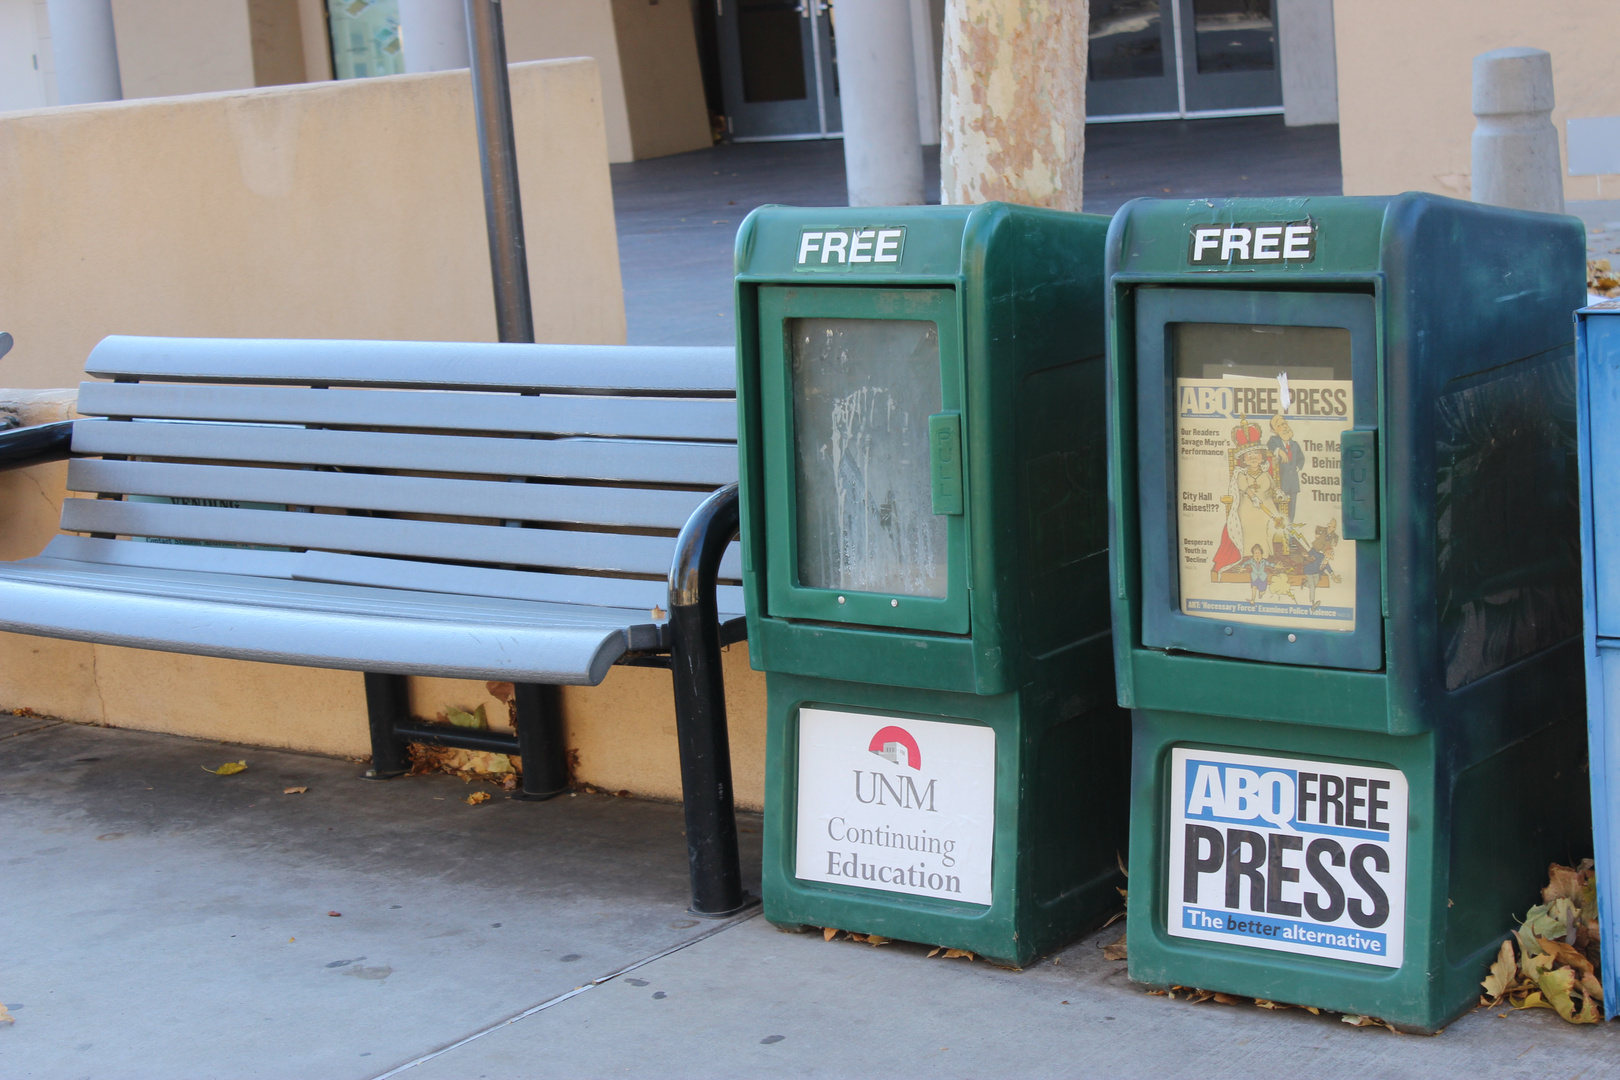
[1358,483]
[945,461]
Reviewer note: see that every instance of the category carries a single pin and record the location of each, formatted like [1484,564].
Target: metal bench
[530,514]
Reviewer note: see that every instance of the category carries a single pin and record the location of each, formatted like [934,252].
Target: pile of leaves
[505,770]
[1551,961]
[830,933]
[1601,278]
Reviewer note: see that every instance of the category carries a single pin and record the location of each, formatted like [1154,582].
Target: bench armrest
[700,707]
[22,447]
[700,547]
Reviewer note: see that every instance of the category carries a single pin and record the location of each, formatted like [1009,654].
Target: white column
[1014,116]
[1516,162]
[877,86]
[86,51]
[1310,71]
[433,34]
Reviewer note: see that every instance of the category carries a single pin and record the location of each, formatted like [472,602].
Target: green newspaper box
[1346,547]
[924,530]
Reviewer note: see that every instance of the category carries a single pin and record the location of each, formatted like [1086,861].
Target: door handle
[1358,483]
[945,461]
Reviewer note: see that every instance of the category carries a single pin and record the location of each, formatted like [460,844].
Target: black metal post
[540,740]
[497,155]
[387,704]
[700,708]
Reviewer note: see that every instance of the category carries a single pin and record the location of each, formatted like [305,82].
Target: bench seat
[290,619]
[532,514]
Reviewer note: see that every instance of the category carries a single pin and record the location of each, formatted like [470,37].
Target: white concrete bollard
[86,51]
[1516,161]
[433,35]
[877,86]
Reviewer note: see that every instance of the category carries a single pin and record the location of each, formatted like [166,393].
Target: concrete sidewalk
[159,921]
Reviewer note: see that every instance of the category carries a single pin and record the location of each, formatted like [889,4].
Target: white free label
[900,805]
[1279,853]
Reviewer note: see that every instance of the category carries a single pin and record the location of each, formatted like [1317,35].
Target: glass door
[1131,61]
[863,434]
[1229,56]
[1182,59]
[778,72]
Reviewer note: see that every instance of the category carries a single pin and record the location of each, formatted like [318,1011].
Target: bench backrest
[549,472]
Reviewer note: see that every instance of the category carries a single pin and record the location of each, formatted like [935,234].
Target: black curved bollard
[700,707]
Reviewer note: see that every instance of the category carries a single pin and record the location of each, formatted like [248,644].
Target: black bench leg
[700,709]
[387,703]
[540,740]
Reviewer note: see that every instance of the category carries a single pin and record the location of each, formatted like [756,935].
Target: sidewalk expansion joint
[30,731]
[575,992]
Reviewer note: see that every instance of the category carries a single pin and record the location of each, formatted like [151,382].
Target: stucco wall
[541,29]
[349,209]
[1406,83]
[663,85]
[182,46]
[340,209]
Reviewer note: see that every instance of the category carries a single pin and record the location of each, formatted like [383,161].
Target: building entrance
[778,70]
[1178,59]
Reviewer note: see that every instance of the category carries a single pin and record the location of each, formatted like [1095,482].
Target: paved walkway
[157,921]
[677,216]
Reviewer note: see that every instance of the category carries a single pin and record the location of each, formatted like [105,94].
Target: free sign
[1255,243]
[832,249]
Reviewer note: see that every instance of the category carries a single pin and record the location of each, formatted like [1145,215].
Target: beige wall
[1406,83]
[183,46]
[347,209]
[542,29]
[663,85]
[652,91]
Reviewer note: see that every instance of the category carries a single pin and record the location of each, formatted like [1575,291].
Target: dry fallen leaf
[1115,950]
[463,718]
[230,768]
[294,790]
[477,797]
[956,954]
[335,914]
[828,933]
[6,1017]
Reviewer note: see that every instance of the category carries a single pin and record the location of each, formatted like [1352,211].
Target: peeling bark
[1014,117]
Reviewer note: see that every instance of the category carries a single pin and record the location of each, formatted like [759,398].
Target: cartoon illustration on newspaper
[1258,476]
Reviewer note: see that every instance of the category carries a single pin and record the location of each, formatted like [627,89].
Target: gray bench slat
[636,507]
[569,655]
[428,364]
[320,598]
[487,581]
[557,414]
[162,556]
[612,552]
[705,464]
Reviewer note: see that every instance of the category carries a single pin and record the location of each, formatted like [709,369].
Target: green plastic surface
[1474,336]
[1021,315]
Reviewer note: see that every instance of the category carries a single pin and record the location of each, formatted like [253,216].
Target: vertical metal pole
[497,154]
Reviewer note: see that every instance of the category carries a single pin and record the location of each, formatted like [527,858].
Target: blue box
[1597,358]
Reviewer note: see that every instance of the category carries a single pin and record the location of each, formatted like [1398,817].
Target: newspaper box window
[924,519]
[1245,509]
[1347,599]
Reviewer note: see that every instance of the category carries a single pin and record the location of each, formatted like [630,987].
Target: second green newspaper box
[1348,589]
[924,525]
